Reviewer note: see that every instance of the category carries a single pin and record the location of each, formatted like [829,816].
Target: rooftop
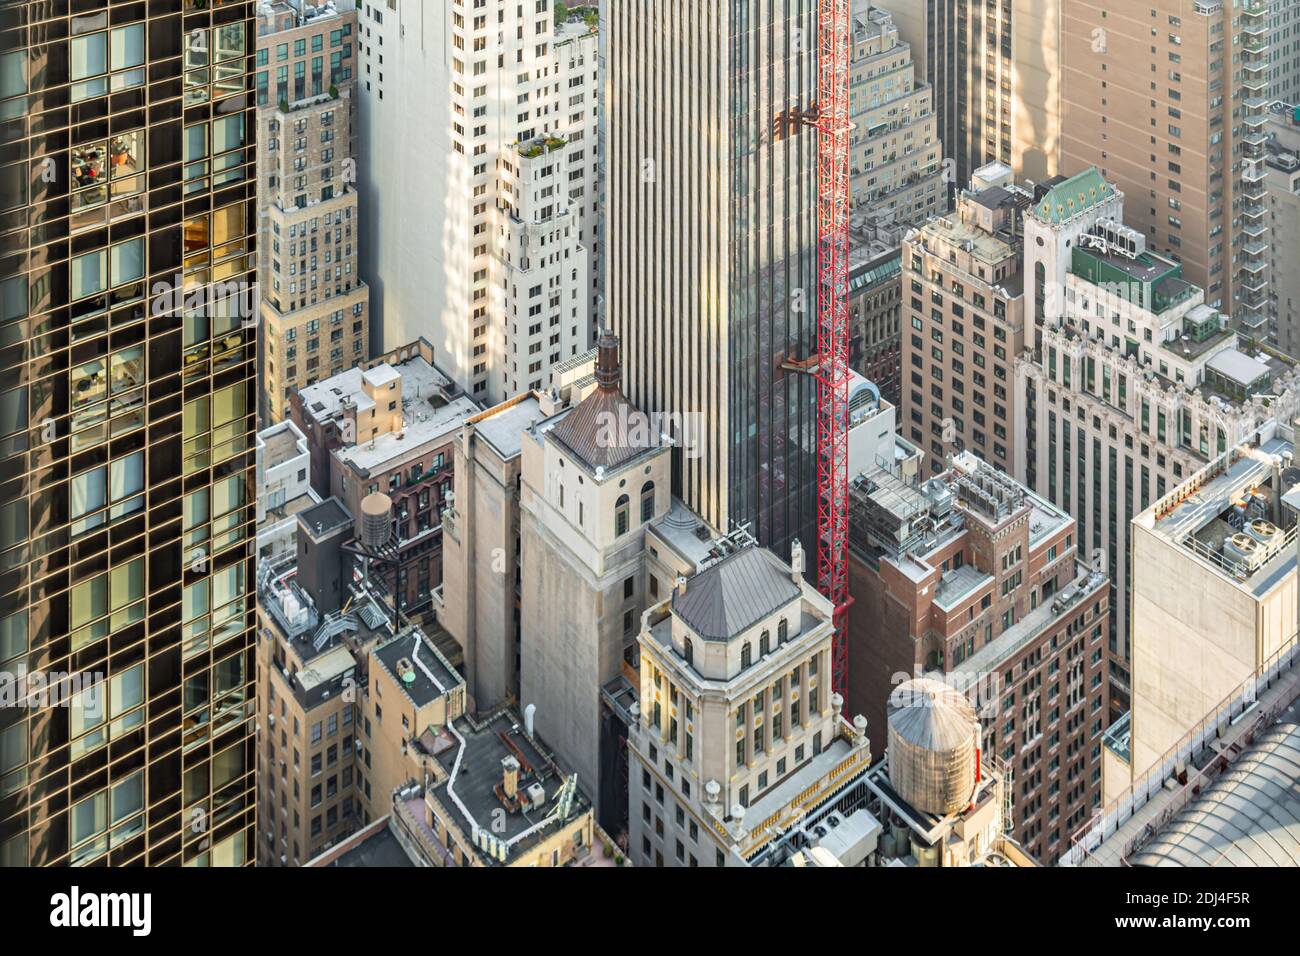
[416,666]
[686,533]
[424,389]
[432,423]
[502,426]
[892,518]
[605,431]
[1239,367]
[982,245]
[280,443]
[1229,515]
[1246,724]
[731,596]
[474,788]
[1073,196]
[955,586]
[325,517]
[1030,627]
[375,845]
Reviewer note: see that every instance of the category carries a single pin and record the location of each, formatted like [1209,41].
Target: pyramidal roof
[1075,195]
[724,600]
[606,430]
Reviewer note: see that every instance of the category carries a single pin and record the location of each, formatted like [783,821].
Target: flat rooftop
[417,666]
[279,444]
[1239,367]
[430,426]
[289,509]
[325,517]
[1029,628]
[1243,486]
[422,383]
[333,664]
[475,775]
[375,846]
[957,585]
[984,246]
[503,426]
[686,533]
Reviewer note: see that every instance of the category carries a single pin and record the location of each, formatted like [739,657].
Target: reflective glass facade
[127,393]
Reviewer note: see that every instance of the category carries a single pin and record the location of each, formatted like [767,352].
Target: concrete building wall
[1036,89]
[994,70]
[1284,50]
[583,587]
[1194,643]
[1283,184]
[482,571]
[572,640]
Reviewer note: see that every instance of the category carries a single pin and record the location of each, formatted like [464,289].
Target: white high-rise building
[477,165]
[1136,383]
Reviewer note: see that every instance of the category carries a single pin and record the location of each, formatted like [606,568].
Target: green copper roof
[1077,194]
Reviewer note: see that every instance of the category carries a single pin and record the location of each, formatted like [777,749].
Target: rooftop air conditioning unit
[1241,549]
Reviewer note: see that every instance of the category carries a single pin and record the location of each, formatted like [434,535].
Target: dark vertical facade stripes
[711,228]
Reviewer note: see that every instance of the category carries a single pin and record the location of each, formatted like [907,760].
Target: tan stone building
[1283,184]
[311,662]
[1137,382]
[594,477]
[314,306]
[963,323]
[1169,100]
[895,155]
[994,70]
[480,599]
[875,311]
[411,694]
[1214,597]
[737,729]
[496,796]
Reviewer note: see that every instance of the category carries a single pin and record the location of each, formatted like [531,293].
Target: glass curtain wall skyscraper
[127,396]
[712,229]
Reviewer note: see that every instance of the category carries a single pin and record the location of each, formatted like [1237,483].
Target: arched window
[746,655]
[690,651]
[764,644]
[782,632]
[620,515]
[647,501]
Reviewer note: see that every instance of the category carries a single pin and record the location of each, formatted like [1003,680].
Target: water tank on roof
[933,739]
[376,525]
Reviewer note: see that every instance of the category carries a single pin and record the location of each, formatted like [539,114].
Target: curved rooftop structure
[1250,816]
[931,714]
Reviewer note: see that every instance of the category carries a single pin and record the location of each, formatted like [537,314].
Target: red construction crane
[832,119]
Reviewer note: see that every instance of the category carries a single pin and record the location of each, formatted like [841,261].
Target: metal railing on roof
[1119,811]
